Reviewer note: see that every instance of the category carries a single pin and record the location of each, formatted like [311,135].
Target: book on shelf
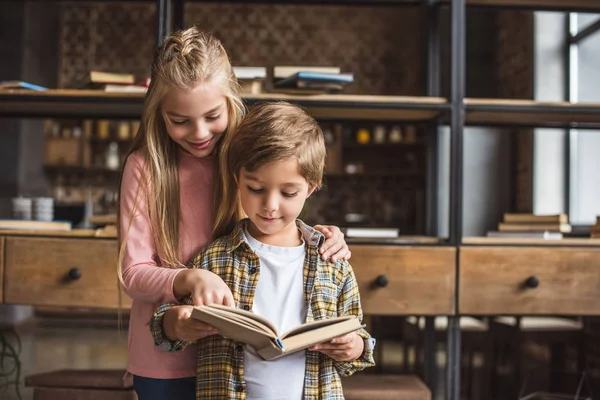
[535,227]
[252,329]
[15,224]
[114,88]
[526,235]
[99,79]
[359,232]
[316,80]
[250,79]
[536,218]
[15,85]
[285,71]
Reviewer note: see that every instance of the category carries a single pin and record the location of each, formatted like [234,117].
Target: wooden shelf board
[406,240]
[90,103]
[531,113]
[558,5]
[531,242]
[75,233]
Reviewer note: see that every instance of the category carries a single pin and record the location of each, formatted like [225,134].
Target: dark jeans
[164,389]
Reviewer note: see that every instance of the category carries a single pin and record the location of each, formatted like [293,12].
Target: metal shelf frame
[456,112]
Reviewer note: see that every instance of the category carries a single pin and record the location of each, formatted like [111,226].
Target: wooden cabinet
[529,280]
[62,272]
[415,280]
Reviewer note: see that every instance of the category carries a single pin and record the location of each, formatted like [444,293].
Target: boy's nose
[271,204]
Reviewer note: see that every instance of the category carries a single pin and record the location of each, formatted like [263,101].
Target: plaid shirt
[330,290]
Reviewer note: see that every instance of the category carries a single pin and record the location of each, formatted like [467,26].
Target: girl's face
[273,197]
[196,119]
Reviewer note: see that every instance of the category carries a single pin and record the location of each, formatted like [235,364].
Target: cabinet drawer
[529,281]
[62,272]
[412,280]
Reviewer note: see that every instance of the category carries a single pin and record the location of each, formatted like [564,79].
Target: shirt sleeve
[349,304]
[143,278]
[158,334]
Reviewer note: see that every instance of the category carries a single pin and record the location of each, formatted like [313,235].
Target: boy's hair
[183,60]
[270,132]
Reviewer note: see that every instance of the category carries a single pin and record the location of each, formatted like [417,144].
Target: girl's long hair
[184,60]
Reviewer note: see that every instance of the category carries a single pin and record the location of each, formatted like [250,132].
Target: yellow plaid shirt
[330,290]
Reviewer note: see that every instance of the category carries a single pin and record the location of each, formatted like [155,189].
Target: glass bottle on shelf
[112,156]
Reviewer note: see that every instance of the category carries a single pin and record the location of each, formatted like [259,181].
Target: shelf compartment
[358,107]
[99,104]
[531,113]
[548,5]
[567,242]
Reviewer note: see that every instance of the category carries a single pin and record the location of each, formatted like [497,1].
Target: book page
[304,340]
[315,325]
[242,316]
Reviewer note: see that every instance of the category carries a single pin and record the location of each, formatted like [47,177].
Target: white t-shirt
[279,297]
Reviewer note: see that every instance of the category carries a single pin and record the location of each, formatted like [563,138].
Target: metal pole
[432,54]
[457,120]
[163,20]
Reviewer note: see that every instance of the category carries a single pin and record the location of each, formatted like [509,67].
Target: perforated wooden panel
[380,45]
[105,36]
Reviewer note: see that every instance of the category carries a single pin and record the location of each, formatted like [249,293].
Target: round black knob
[532,282]
[74,274]
[381,281]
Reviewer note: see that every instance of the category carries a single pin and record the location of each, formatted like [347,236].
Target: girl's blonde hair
[184,60]
[270,132]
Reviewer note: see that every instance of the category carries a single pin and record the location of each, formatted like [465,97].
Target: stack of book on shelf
[310,80]
[595,229]
[378,233]
[533,226]
[20,85]
[113,82]
[250,79]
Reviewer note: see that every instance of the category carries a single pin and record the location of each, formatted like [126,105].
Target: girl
[166,203]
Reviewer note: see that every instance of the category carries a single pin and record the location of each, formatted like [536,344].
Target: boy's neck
[289,236]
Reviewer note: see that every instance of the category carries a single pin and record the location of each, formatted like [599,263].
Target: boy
[270,261]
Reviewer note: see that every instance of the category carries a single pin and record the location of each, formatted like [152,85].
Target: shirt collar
[311,236]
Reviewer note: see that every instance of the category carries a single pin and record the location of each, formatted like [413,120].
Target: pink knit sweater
[148,284]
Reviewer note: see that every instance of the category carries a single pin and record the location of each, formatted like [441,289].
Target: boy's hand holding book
[178,325]
[348,347]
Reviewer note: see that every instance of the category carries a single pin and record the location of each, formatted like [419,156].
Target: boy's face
[273,197]
[197,118]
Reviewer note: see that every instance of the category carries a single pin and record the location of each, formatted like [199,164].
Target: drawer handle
[532,282]
[381,281]
[74,274]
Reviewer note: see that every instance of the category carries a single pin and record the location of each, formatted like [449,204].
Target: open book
[247,327]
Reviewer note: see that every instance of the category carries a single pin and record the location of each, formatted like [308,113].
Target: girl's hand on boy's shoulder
[334,245]
[348,347]
[204,287]
[178,324]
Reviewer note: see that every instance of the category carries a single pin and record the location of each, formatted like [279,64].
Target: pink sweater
[145,282]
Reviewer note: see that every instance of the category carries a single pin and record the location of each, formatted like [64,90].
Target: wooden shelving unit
[531,113]
[95,103]
[555,5]
[457,112]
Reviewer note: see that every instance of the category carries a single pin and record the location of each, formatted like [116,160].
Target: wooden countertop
[112,234]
